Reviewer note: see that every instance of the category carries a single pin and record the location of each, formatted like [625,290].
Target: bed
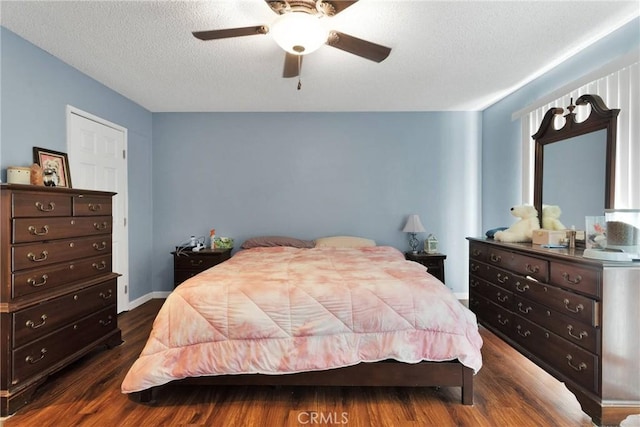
[325,316]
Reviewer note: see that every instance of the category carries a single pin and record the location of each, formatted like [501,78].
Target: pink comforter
[284,310]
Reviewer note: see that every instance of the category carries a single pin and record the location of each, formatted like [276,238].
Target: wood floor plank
[509,391]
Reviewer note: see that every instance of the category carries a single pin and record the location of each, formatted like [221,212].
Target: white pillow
[344,242]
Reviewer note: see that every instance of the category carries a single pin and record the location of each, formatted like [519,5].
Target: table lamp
[412,227]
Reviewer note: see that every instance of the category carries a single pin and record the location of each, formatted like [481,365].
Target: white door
[97,160]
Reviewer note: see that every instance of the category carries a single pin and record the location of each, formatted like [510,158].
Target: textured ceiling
[446,55]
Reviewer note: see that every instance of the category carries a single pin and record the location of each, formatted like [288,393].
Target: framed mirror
[575,163]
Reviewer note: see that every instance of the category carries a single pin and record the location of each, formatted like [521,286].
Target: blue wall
[35,90]
[501,138]
[310,175]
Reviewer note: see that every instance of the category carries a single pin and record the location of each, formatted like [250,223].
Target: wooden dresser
[576,318]
[58,293]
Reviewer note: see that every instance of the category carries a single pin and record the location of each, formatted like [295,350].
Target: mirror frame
[600,118]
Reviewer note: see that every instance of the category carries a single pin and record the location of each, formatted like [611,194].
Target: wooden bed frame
[388,373]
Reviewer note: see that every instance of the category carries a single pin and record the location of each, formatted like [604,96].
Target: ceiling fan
[299,31]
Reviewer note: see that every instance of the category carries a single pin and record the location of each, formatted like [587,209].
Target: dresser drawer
[581,334]
[44,253]
[519,263]
[35,322]
[570,360]
[44,353]
[492,314]
[180,276]
[31,204]
[495,294]
[91,205]
[38,229]
[565,302]
[199,262]
[493,275]
[579,278]
[29,282]
[478,251]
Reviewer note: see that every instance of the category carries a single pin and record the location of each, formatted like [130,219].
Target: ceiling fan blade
[230,32]
[291,65]
[356,46]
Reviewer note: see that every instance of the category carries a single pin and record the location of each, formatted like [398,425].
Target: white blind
[620,89]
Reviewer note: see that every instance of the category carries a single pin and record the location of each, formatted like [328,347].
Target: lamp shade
[299,33]
[413,225]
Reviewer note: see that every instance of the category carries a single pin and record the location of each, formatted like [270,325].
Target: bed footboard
[380,374]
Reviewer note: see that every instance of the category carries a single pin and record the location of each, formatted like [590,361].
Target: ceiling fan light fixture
[299,33]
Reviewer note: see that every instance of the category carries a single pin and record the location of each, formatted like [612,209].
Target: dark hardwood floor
[509,391]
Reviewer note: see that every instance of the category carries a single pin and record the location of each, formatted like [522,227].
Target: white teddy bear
[551,218]
[522,230]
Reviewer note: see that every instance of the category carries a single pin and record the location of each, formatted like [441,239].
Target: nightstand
[187,263]
[433,262]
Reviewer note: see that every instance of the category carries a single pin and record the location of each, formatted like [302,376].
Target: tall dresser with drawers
[58,292]
[577,318]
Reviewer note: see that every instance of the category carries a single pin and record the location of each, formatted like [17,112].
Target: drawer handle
[33,282]
[475,302]
[578,308]
[502,298]
[474,283]
[526,310]
[49,208]
[196,263]
[581,366]
[106,322]
[502,279]
[95,207]
[102,226]
[568,278]
[101,247]
[108,295]
[530,269]
[43,256]
[582,334]
[495,258]
[523,288]
[502,322]
[34,232]
[100,266]
[523,334]
[31,324]
[31,360]
[476,252]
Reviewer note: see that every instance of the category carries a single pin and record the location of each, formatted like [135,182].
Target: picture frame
[55,167]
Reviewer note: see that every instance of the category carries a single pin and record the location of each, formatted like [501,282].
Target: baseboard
[148,297]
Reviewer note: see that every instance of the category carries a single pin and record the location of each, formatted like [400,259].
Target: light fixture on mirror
[299,33]
[413,226]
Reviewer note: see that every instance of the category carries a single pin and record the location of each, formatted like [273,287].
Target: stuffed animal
[522,230]
[36,175]
[551,218]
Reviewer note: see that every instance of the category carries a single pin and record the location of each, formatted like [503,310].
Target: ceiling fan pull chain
[299,82]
